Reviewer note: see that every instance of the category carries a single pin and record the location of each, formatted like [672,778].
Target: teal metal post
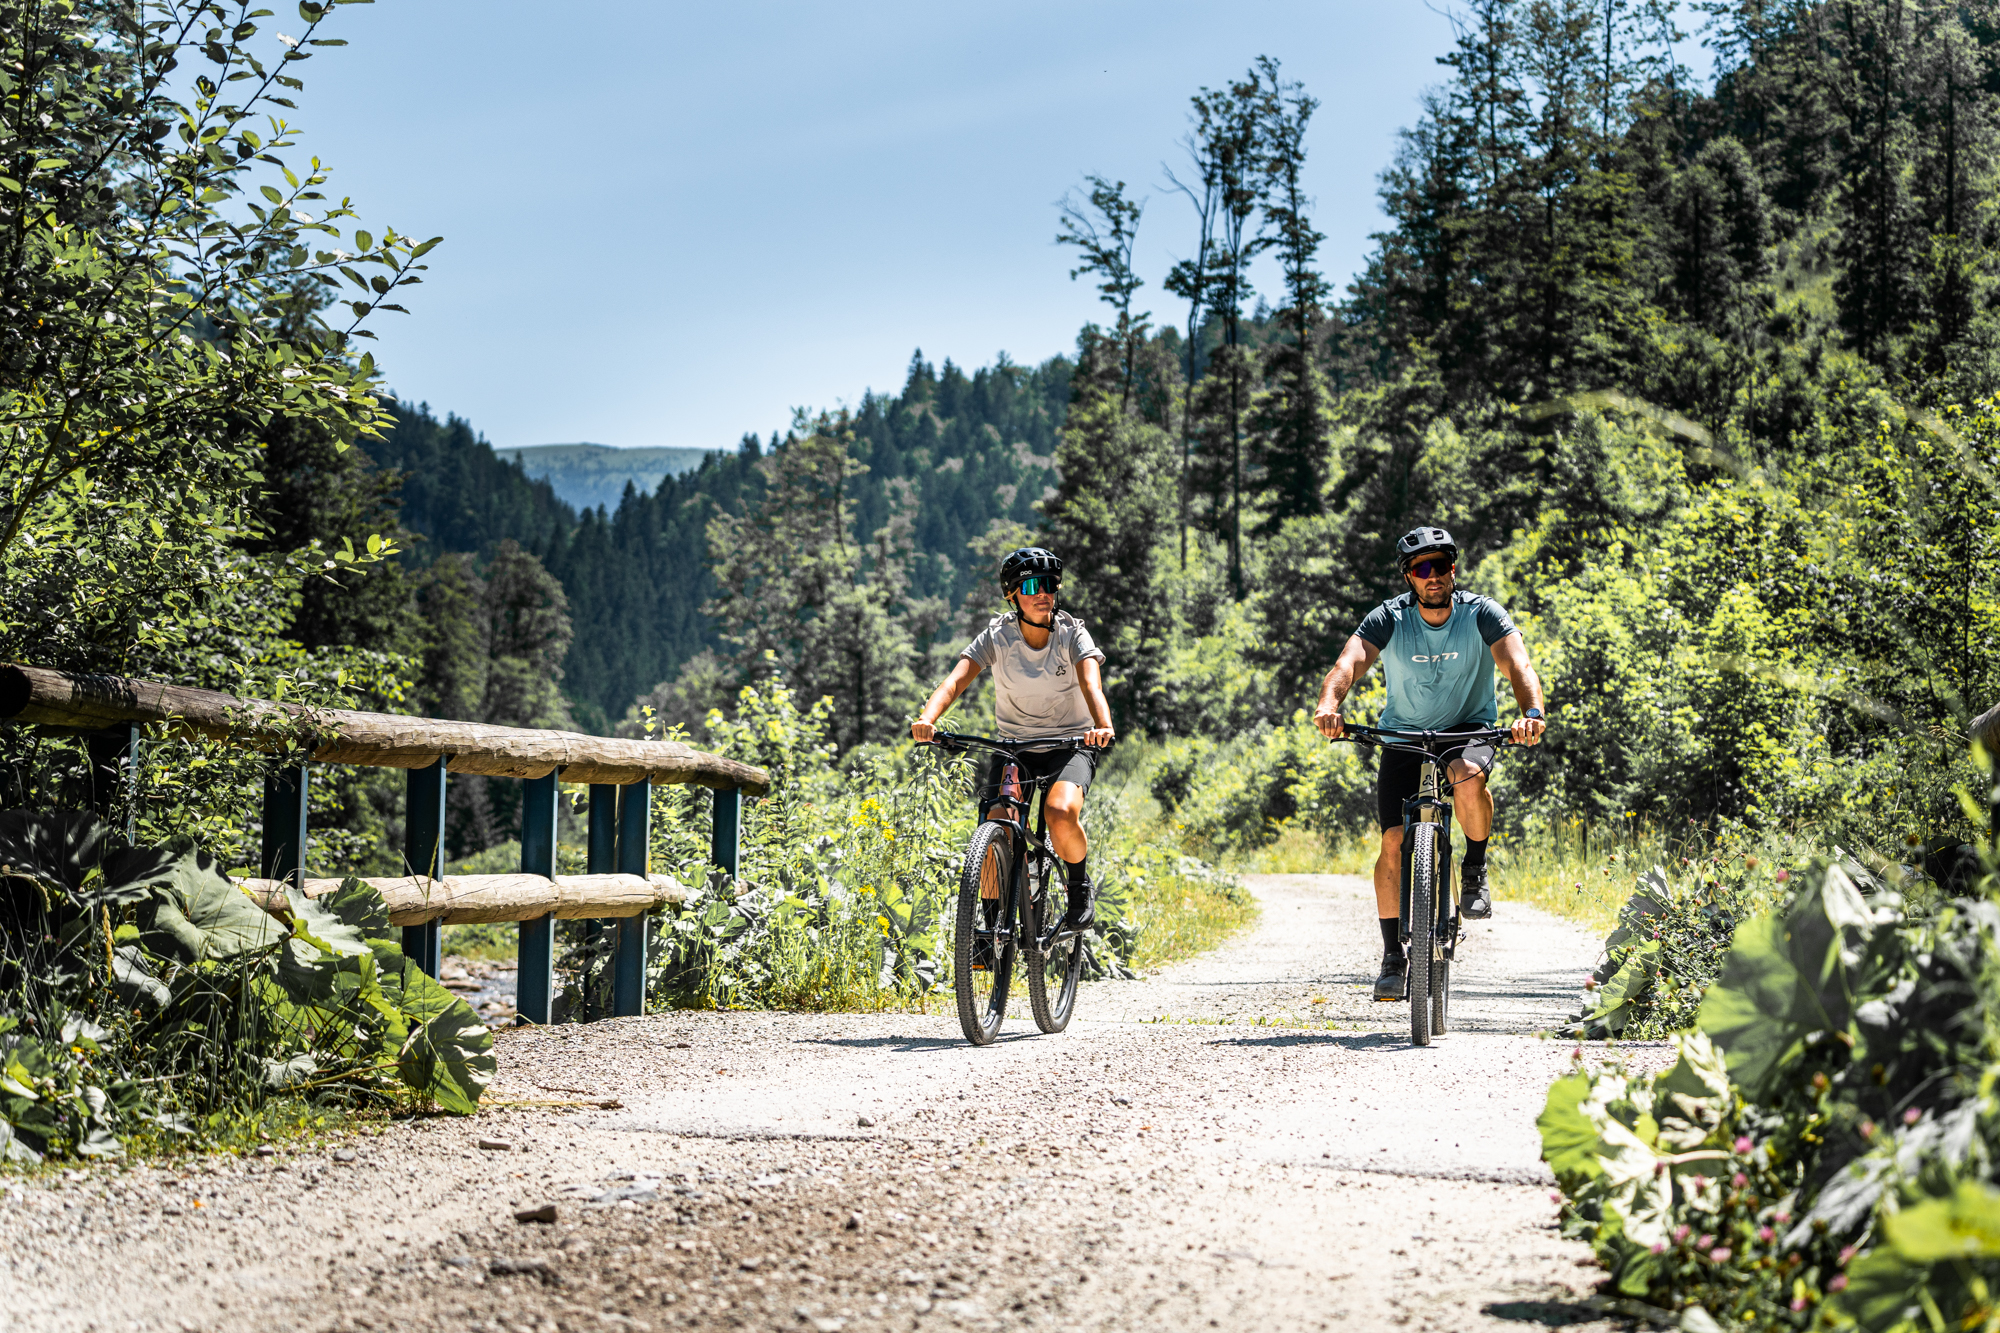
[726,833]
[285,801]
[114,759]
[600,858]
[628,967]
[535,989]
[423,853]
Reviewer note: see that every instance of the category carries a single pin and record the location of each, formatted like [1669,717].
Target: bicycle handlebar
[952,740]
[1425,741]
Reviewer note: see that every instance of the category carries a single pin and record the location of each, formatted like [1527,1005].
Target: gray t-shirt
[1038,693]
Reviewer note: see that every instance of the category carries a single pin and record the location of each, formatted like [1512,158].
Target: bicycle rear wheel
[1053,971]
[1423,928]
[982,963]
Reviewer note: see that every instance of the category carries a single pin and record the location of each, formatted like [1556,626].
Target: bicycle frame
[1431,805]
[1031,847]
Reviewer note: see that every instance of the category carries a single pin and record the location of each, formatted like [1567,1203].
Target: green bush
[1821,1151]
[1673,931]
[144,994]
[1237,795]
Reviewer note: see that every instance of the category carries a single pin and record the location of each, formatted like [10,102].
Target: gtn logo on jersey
[1440,657]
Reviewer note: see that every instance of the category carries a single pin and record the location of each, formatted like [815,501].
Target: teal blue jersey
[1438,675]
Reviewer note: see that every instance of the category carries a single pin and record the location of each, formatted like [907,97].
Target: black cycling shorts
[1078,766]
[1396,780]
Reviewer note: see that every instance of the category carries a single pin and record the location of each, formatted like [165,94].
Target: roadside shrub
[145,994]
[1239,795]
[1822,1149]
[1673,932]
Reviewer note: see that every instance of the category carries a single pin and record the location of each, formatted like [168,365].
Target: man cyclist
[1438,647]
[1048,682]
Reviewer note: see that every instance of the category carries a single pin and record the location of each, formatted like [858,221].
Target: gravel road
[1244,1141]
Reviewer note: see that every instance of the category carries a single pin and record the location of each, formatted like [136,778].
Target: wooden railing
[111,710]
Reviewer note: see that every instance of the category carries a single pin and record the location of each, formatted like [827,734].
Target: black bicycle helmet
[1027,561]
[1419,540]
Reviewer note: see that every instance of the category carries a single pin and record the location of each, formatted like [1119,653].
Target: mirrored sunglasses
[1428,569]
[1036,585]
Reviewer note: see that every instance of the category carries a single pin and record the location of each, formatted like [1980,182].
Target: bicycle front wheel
[982,962]
[1423,928]
[1440,996]
[1055,969]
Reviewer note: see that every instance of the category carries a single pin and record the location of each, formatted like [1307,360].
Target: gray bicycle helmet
[1026,562]
[1417,541]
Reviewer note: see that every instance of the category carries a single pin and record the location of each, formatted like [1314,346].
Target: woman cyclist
[1049,682]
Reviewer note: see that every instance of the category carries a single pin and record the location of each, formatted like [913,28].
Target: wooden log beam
[64,700]
[458,900]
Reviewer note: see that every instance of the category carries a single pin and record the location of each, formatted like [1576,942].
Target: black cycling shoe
[1475,900]
[1082,913]
[1394,983]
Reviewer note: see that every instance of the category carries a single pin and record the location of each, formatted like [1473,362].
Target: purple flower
[1743,1144]
[1912,1116]
[1765,1234]
[1784,875]
[1839,1283]
[1798,1304]
[1846,1253]
[1720,1254]
[1680,1233]
[1555,1196]
[1739,1180]
[1704,1242]
[1659,1247]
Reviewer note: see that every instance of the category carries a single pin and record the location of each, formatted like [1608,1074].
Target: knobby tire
[1423,928]
[1052,974]
[982,992]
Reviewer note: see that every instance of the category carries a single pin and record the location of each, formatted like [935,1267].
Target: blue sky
[666,224]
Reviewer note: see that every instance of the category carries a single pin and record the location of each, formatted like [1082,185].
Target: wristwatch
[1534,713]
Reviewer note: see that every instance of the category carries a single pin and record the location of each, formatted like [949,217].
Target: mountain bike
[1428,907]
[1007,901]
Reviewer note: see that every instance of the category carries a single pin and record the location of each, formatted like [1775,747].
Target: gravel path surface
[1244,1141]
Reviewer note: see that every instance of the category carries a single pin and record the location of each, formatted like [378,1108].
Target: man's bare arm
[1511,656]
[1090,675]
[943,698]
[1353,663]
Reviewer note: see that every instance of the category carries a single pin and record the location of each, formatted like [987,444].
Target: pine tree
[1293,419]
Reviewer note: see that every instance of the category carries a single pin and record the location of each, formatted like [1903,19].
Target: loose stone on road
[1243,1141]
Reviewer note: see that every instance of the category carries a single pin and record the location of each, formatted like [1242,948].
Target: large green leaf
[1781,980]
[448,1055]
[198,914]
[1570,1142]
[1964,1226]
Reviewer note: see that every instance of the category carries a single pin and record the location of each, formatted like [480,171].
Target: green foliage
[1842,1081]
[1673,933]
[146,994]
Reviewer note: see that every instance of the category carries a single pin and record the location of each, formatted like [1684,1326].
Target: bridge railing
[109,711]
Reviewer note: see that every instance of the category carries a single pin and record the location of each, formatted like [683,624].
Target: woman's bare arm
[1090,676]
[943,698]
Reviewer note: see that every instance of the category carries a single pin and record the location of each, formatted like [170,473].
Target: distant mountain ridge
[587,476]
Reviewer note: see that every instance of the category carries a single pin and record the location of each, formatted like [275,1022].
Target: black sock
[1392,933]
[1077,872]
[1475,852]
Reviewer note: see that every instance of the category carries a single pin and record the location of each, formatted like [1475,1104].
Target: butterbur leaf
[199,915]
[290,1073]
[1570,1142]
[1964,1226]
[448,1054]
[1781,980]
